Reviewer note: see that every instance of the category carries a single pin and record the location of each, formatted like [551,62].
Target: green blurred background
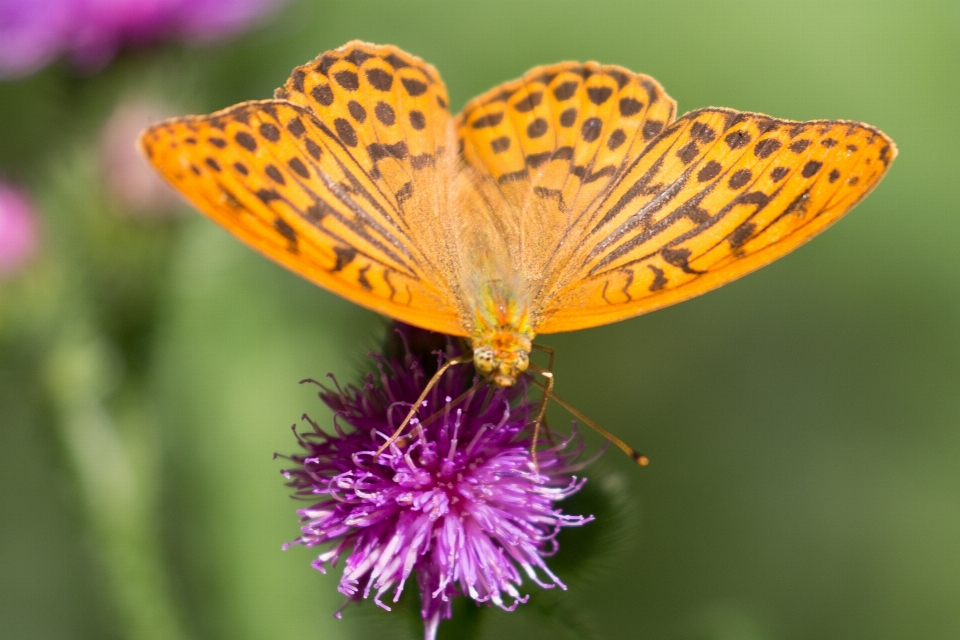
[804,422]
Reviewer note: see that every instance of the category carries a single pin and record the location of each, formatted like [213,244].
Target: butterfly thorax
[502,335]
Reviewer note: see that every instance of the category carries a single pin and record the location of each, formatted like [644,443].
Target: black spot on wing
[616,139]
[269,131]
[396,61]
[298,167]
[528,103]
[501,144]
[418,121]
[688,152]
[811,168]
[537,128]
[325,63]
[379,79]
[246,141]
[678,258]
[599,95]
[535,160]
[296,127]
[357,112]
[288,232]
[740,178]
[513,177]
[590,129]
[659,279]
[737,139]
[358,56]
[267,196]
[709,171]
[275,174]
[344,256]
[488,120]
[346,132]
[630,107]
[312,148]
[323,94]
[766,147]
[414,87]
[385,114]
[651,128]
[741,234]
[566,90]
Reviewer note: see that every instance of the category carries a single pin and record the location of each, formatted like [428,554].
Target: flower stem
[118,490]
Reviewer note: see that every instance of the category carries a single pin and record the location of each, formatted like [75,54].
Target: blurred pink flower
[33,33]
[18,229]
[129,179]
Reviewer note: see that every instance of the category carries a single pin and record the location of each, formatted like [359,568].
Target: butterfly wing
[717,195]
[545,147]
[340,179]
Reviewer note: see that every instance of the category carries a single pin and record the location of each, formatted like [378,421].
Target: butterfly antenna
[423,396]
[637,457]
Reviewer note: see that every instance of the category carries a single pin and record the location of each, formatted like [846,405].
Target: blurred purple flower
[91,32]
[18,230]
[456,500]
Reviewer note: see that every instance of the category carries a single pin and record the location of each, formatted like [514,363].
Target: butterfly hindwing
[719,194]
[278,177]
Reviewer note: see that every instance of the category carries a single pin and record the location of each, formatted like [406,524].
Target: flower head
[456,500]
[91,32]
[18,229]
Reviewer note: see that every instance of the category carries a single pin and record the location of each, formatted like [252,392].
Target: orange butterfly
[567,199]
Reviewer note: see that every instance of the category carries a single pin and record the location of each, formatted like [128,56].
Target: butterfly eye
[484,359]
[523,361]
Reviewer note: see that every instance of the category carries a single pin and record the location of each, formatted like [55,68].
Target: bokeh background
[803,422]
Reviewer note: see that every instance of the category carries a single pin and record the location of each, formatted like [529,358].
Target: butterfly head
[502,333]
[503,356]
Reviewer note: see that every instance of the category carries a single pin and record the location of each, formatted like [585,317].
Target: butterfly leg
[547,390]
[637,457]
[547,350]
[423,396]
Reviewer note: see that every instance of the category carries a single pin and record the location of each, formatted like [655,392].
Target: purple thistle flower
[91,32]
[455,500]
[18,230]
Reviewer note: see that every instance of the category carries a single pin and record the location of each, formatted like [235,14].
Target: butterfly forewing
[717,195]
[551,143]
[388,108]
[314,192]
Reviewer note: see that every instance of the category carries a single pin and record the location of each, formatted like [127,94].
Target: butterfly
[569,198]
